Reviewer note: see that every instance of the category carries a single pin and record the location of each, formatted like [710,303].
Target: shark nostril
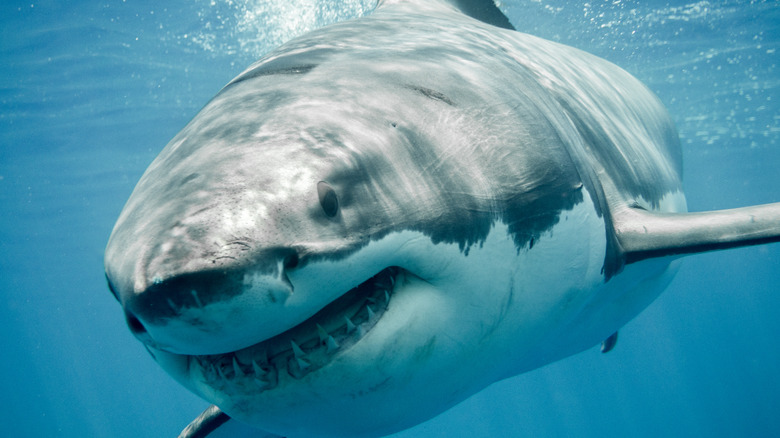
[135,324]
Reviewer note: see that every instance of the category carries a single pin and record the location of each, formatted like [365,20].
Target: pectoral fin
[642,234]
[213,423]
[609,343]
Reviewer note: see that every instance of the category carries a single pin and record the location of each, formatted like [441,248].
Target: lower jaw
[306,347]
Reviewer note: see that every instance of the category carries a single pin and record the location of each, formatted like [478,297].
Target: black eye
[328,199]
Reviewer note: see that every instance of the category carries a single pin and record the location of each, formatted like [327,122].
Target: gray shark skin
[385,216]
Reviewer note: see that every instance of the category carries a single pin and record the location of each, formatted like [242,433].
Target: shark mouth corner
[304,348]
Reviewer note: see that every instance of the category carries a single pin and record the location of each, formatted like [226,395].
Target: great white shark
[384,216]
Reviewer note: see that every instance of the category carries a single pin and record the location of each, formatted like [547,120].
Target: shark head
[302,254]
[314,256]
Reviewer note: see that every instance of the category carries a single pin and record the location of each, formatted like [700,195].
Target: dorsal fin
[643,234]
[482,10]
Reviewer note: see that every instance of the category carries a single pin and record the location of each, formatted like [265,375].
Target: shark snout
[210,311]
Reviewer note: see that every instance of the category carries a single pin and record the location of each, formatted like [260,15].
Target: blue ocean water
[92,90]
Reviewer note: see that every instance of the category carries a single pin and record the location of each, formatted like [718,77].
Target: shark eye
[329,201]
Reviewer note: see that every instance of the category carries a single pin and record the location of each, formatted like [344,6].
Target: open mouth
[308,346]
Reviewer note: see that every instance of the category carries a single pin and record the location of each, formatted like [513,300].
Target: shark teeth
[195,298]
[237,369]
[350,325]
[259,371]
[322,333]
[331,344]
[296,349]
[307,346]
[302,364]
